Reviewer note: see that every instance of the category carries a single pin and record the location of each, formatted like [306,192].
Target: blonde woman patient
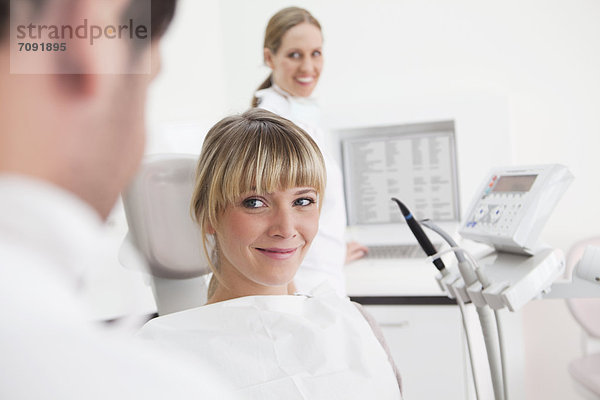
[258,196]
[293,50]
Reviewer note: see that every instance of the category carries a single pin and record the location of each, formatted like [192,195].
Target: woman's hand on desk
[354,251]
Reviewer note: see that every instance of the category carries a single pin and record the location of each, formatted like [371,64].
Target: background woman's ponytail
[266,84]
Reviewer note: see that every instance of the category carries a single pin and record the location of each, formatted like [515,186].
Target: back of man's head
[73,122]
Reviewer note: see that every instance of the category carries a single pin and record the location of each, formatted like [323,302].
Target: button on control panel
[497,212]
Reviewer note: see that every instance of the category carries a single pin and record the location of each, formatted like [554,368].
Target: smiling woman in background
[293,50]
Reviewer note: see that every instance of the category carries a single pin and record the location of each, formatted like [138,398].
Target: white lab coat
[325,259]
[48,347]
[317,347]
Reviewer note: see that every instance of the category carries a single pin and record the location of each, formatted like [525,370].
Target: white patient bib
[284,347]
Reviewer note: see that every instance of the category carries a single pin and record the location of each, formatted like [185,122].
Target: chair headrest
[157,207]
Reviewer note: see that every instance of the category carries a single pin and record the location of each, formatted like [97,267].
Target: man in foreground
[71,138]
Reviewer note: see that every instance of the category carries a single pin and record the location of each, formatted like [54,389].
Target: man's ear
[83,62]
[77,62]
[268,57]
[79,85]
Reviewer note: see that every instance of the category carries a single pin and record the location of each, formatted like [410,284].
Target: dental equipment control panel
[513,204]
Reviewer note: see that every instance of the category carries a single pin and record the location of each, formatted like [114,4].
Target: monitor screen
[415,163]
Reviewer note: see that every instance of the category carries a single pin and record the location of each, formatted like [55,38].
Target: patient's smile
[278,254]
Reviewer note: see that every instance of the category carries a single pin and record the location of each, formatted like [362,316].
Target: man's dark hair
[162,14]
[4,11]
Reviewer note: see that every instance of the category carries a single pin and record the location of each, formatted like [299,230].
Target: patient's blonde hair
[257,151]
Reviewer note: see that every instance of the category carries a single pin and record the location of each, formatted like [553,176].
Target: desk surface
[392,278]
[401,281]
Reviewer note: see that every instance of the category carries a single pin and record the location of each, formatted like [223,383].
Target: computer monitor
[414,162]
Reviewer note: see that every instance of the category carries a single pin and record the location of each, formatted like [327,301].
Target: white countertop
[401,277]
[397,278]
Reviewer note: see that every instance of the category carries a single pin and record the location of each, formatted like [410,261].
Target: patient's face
[263,239]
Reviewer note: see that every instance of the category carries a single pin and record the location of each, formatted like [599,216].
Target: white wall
[521,78]
[188,96]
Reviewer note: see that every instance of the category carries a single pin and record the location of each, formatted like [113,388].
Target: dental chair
[585,370]
[157,207]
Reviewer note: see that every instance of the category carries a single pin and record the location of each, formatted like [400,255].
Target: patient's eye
[253,202]
[303,202]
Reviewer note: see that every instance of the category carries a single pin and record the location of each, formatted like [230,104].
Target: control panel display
[514,183]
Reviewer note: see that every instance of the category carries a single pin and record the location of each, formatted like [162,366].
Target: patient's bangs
[262,158]
[278,167]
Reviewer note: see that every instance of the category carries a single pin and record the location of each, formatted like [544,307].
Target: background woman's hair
[278,25]
[259,152]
